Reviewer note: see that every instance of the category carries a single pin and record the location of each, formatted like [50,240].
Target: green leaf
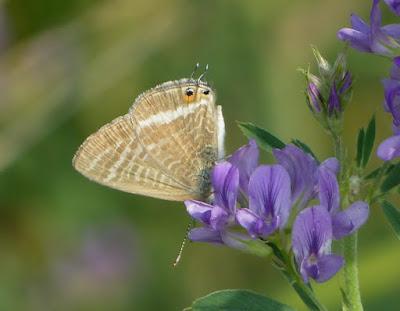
[369,140]
[304,147]
[360,146]
[392,180]
[393,216]
[376,172]
[237,300]
[264,138]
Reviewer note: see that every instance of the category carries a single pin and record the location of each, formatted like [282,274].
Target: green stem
[351,288]
[352,299]
[285,266]
[305,293]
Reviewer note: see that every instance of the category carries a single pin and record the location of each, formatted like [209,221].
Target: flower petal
[392,99]
[323,269]
[219,218]
[389,148]
[246,160]
[333,100]
[205,235]
[357,39]
[392,30]
[358,24]
[235,240]
[332,164]
[269,194]
[375,17]
[251,222]
[328,190]
[311,233]
[199,210]
[225,181]
[348,221]
[302,170]
[394,5]
[395,71]
[346,83]
[314,97]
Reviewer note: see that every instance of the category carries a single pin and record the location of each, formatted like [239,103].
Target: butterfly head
[195,90]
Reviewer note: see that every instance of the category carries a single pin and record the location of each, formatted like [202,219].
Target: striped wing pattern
[164,147]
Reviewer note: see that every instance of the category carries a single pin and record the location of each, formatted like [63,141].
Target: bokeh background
[68,67]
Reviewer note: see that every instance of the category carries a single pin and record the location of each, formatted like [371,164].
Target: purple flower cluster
[381,40]
[268,196]
[328,94]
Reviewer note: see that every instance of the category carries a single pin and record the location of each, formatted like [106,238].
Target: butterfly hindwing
[114,157]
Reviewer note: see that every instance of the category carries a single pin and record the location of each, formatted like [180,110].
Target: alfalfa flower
[390,148]
[303,171]
[269,201]
[372,38]
[220,215]
[246,160]
[344,222]
[311,244]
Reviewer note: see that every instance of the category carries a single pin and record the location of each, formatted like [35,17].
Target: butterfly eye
[189,92]
[206,92]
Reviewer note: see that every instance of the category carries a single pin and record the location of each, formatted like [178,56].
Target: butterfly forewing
[164,147]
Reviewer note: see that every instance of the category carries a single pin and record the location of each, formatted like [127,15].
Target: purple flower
[344,222]
[334,101]
[394,5]
[269,201]
[314,97]
[246,160]
[302,169]
[347,82]
[311,243]
[372,38]
[348,221]
[220,215]
[392,93]
[303,172]
[389,148]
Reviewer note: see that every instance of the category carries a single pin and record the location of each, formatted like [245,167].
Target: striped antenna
[183,244]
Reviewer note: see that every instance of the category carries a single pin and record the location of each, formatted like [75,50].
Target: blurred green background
[68,67]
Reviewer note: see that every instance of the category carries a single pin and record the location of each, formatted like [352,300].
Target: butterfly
[164,147]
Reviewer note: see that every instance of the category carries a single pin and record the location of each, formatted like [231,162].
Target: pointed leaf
[237,300]
[264,138]
[376,172]
[360,146]
[368,141]
[304,147]
[393,216]
[392,180]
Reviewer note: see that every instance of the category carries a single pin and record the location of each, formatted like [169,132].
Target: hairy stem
[351,289]
[352,299]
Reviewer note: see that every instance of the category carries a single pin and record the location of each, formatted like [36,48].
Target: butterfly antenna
[203,74]
[194,70]
[178,258]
